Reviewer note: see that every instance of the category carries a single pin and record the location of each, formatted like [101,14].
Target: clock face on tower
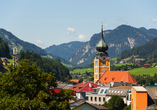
[104,58]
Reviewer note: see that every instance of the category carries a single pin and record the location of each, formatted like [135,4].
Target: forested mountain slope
[144,51]
[14,41]
[64,50]
[122,38]
[46,65]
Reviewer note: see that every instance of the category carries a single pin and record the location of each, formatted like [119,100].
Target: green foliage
[80,79]
[116,103]
[146,79]
[1,65]
[105,104]
[46,65]
[127,107]
[140,71]
[91,78]
[147,50]
[26,87]
[123,67]
[4,49]
[82,70]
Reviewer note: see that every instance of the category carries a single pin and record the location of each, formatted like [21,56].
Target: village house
[98,97]
[82,88]
[4,60]
[122,91]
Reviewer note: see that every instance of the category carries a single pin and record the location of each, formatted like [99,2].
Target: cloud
[39,41]
[70,30]
[81,37]
[154,20]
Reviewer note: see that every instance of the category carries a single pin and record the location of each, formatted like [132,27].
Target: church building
[102,73]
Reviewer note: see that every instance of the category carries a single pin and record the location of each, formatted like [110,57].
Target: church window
[96,70]
[96,62]
[104,62]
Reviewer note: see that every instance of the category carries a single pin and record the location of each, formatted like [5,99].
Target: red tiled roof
[74,81]
[84,87]
[117,76]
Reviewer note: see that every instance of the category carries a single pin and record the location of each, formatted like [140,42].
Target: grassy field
[141,71]
[83,70]
[10,61]
[122,64]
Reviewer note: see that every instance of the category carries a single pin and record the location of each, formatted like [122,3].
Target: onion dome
[101,45]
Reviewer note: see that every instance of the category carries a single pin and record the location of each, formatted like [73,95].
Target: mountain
[122,38]
[64,50]
[14,41]
[144,51]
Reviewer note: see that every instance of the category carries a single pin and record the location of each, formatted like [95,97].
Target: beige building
[98,97]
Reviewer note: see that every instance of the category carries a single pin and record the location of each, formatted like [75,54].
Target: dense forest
[1,65]
[4,49]
[4,52]
[144,51]
[47,65]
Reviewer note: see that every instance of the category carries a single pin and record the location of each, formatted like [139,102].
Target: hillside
[23,45]
[147,51]
[122,38]
[46,65]
[12,40]
[64,50]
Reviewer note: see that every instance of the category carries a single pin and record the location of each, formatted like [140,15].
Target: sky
[53,22]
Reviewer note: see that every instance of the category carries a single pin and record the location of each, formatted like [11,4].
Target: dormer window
[113,79]
[80,87]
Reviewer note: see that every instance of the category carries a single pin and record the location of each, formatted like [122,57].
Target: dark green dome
[101,46]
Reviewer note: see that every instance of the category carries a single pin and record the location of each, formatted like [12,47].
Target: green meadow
[140,71]
[83,70]
[123,64]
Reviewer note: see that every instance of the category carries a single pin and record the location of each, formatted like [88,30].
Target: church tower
[101,60]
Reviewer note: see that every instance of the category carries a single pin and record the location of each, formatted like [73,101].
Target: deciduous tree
[26,87]
[116,103]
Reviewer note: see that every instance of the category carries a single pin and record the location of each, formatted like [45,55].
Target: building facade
[101,60]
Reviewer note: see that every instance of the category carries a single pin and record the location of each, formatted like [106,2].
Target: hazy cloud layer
[39,41]
[70,30]
[154,20]
[81,37]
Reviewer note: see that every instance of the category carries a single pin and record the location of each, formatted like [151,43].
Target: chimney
[90,85]
[84,82]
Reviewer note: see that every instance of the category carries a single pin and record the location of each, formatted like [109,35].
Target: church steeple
[101,60]
[101,45]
